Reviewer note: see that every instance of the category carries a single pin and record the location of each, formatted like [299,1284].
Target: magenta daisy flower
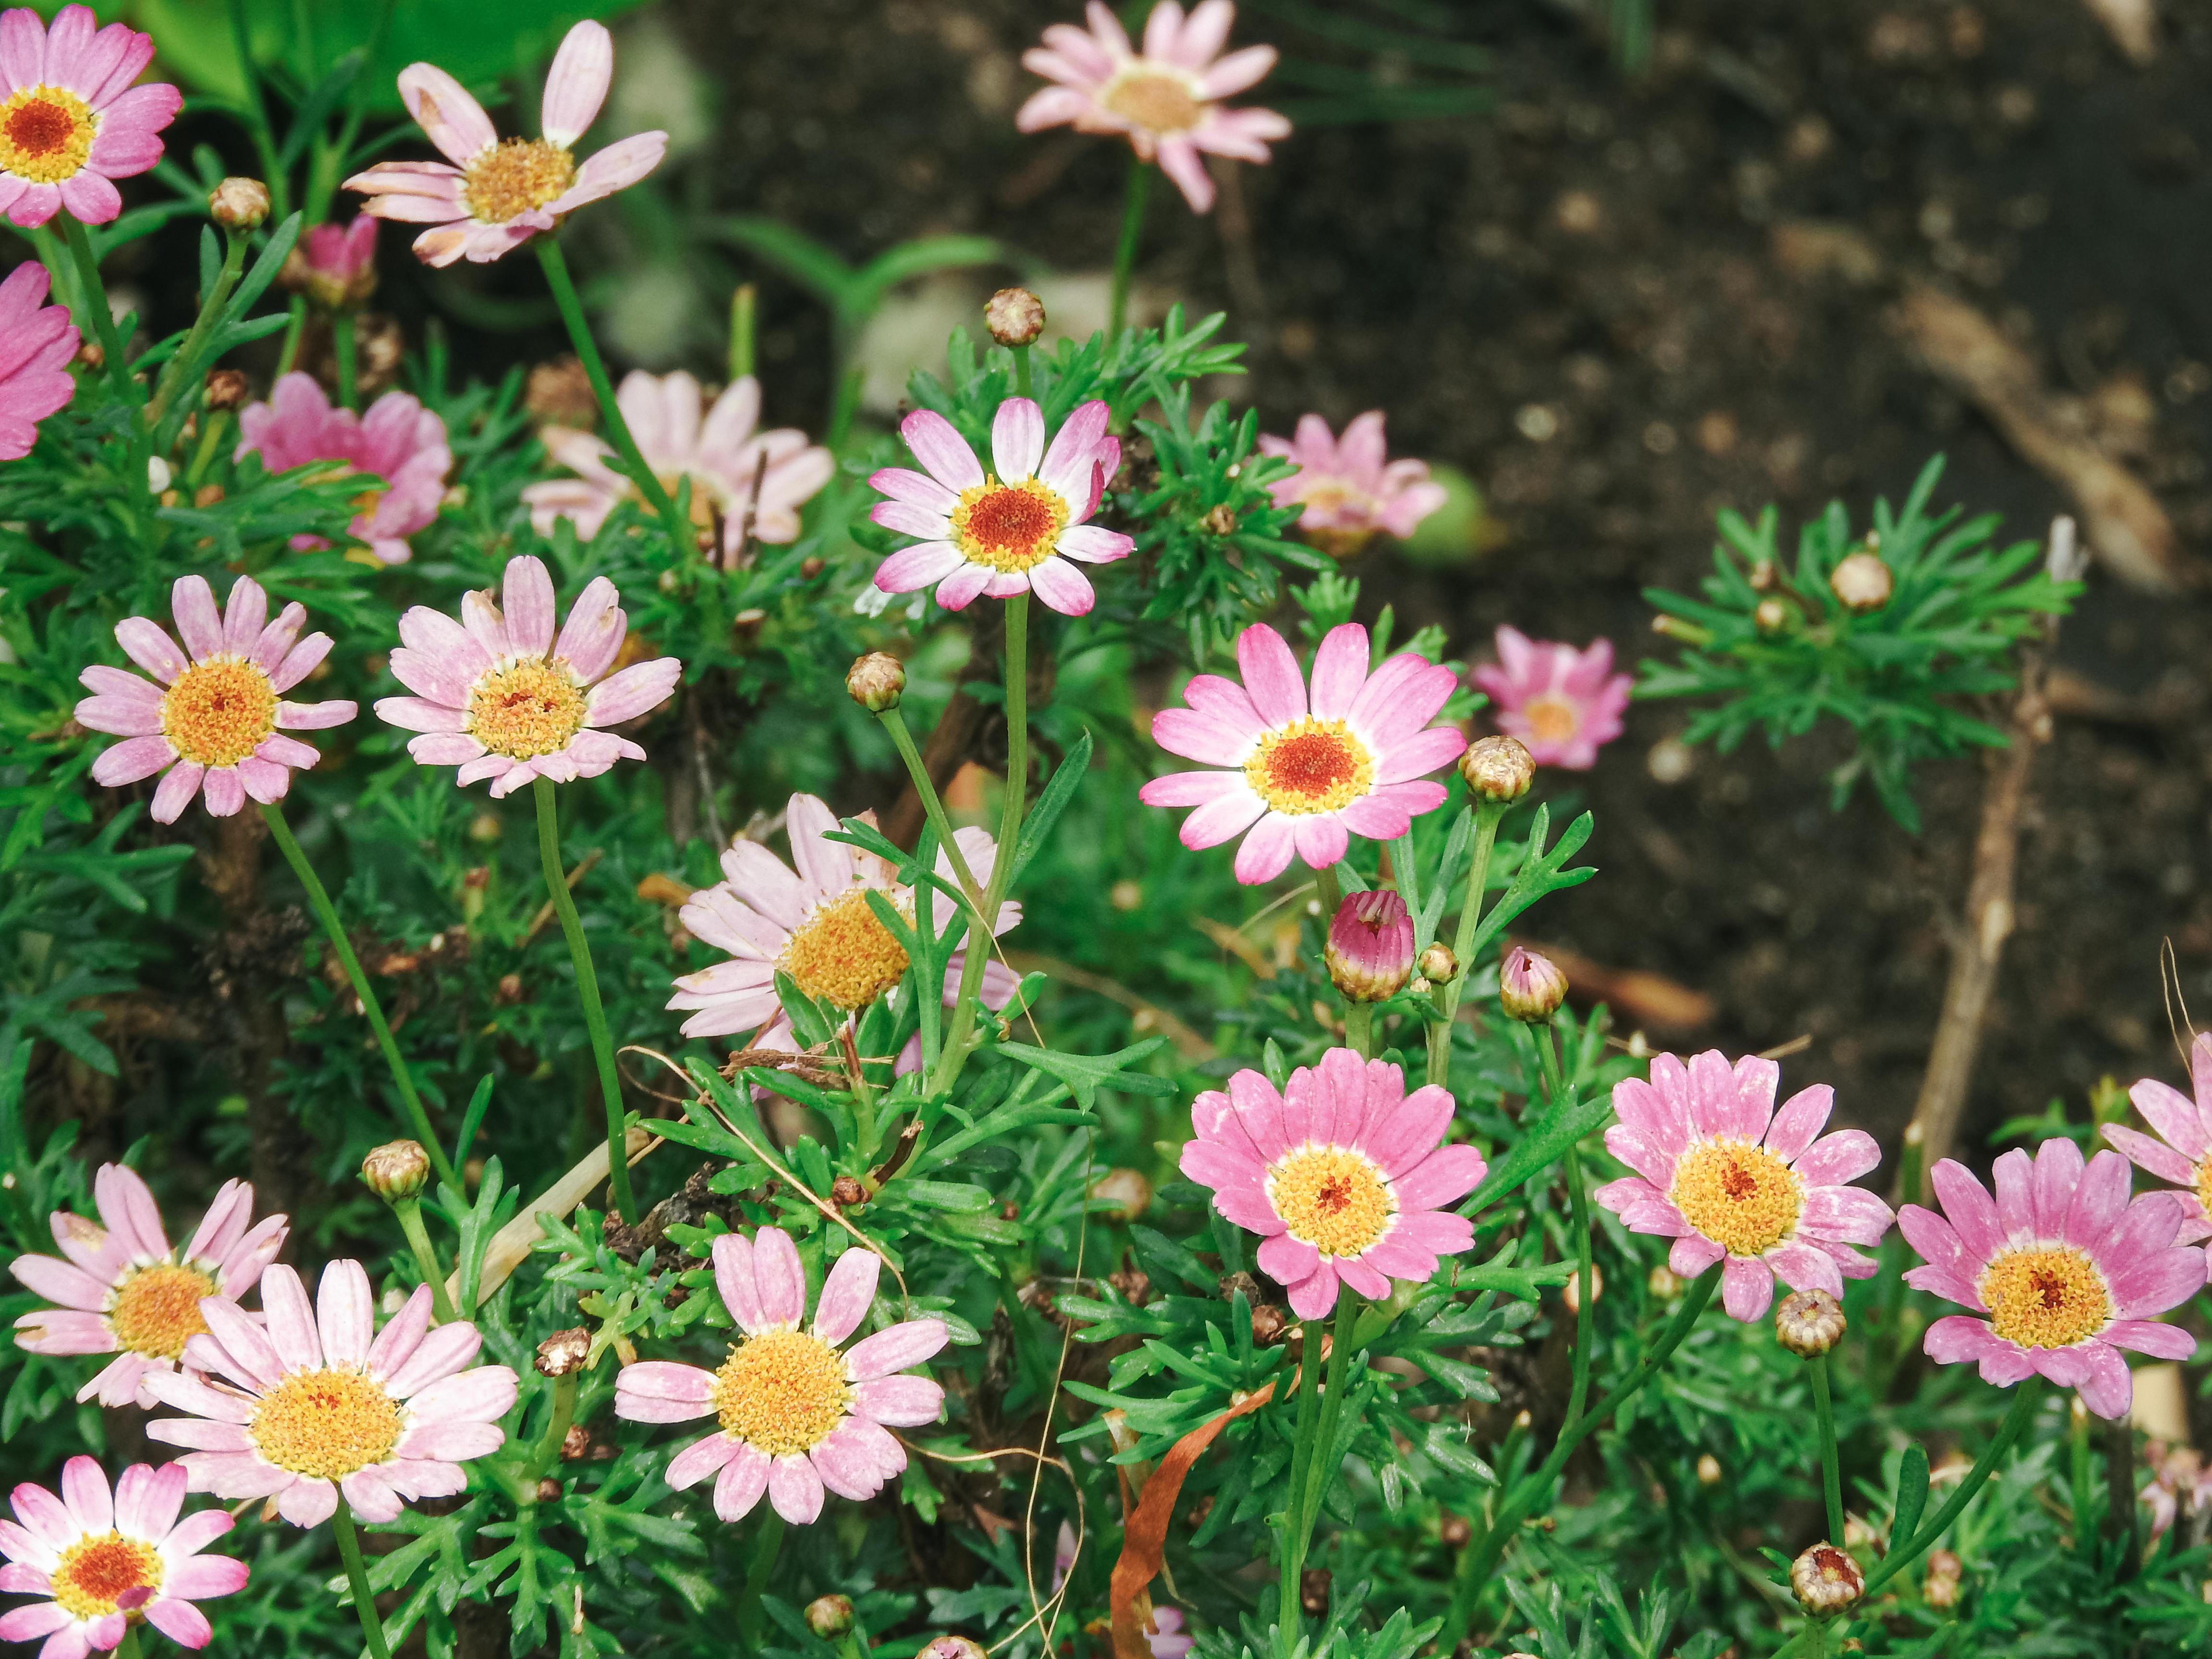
[2183,1151]
[2063,1269]
[397,449]
[70,121]
[334,264]
[794,1415]
[1563,704]
[500,697]
[1349,490]
[217,721]
[496,196]
[1306,772]
[1012,530]
[1730,1179]
[105,1560]
[1341,1172]
[37,341]
[318,1401]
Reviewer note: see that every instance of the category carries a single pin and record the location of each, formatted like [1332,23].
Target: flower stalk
[1488,814]
[364,1599]
[595,370]
[408,1212]
[1902,1554]
[1555,1092]
[1134,196]
[95,301]
[1831,1483]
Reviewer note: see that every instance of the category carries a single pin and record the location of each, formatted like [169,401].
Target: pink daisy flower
[398,448]
[2180,1483]
[1342,1173]
[105,1560]
[1166,100]
[496,195]
[1563,704]
[319,1401]
[37,341]
[72,121]
[122,1290]
[2183,1151]
[1008,531]
[1348,491]
[1730,1179]
[217,720]
[1306,772]
[502,698]
[334,265]
[794,1415]
[2065,1271]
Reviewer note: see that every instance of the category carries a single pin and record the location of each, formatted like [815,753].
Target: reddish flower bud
[1015,316]
[1371,946]
[1530,987]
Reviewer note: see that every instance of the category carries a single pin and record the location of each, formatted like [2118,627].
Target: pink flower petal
[577,83]
[455,122]
[780,1281]
[795,1490]
[904,1403]
[1264,854]
[2174,1115]
[1063,587]
[291,1320]
[636,690]
[943,452]
[1271,674]
[904,1345]
[847,1292]
[442,1353]
[743,1480]
[526,597]
[1017,439]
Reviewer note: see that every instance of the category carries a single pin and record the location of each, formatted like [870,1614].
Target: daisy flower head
[1350,491]
[217,718]
[70,121]
[333,264]
[2061,1269]
[1166,100]
[2181,1151]
[796,1411]
[313,1399]
[1732,1180]
[37,341]
[1563,704]
[105,1559]
[398,449]
[489,196]
[498,694]
[119,1288]
[1307,768]
[1342,1173]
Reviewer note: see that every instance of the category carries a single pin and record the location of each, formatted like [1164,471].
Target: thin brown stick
[545,910]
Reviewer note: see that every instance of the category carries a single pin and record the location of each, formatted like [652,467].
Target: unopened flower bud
[1825,1580]
[564,1352]
[1772,616]
[226,388]
[239,203]
[830,1615]
[1572,1291]
[1709,1470]
[949,1647]
[397,1170]
[1940,1588]
[847,1192]
[1863,581]
[576,1444]
[877,681]
[1530,987]
[1808,1322]
[549,1490]
[1015,316]
[1497,768]
[1371,946]
[1126,1190]
[1437,963]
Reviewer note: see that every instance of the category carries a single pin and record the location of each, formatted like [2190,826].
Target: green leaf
[1085,1076]
[1050,804]
[1540,1147]
[1911,1497]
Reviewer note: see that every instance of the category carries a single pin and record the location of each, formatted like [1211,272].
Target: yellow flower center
[1550,719]
[842,954]
[1740,1196]
[1157,100]
[158,1310]
[220,711]
[1009,526]
[326,1424]
[513,178]
[2049,1296]
[100,1569]
[2205,1184]
[527,707]
[782,1393]
[45,134]
[1333,1199]
[1310,766]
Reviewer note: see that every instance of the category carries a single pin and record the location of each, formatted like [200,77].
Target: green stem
[1832,1480]
[595,370]
[1902,1555]
[217,422]
[745,327]
[1302,1454]
[95,302]
[846,405]
[172,384]
[767,1543]
[341,346]
[1125,252]
[364,1601]
[1359,1029]
[1555,1091]
[410,1212]
[1022,372]
[556,1426]
[257,115]
[1330,892]
[1487,816]
[587,992]
[293,330]
[319,901]
[128,1647]
[933,808]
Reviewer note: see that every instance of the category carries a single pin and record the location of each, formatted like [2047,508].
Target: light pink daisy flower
[1348,490]
[1306,772]
[502,698]
[217,720]
[105,1560]
[1730,1179]
[757,481]
[72,121]
[397,449]
[320,1401]
[37,341]
[1341,1172]
[794,1415]
[2183,1151]
[1012,530]
[123,1291]
[1166,100]
[496,195]
[2064,1269]
[2180,1484]
[334,264]
[1563,704]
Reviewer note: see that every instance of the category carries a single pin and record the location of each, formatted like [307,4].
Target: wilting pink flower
[757,481]
[496,195]
[334,265]
[217,720]
[795,1414]
[1166,100]
[1731,1180]
[320,1401]
[2180,1483]
[36,343]
[123,1291]
[2183,1153]
[1562,703]
[502,698]
[1006,532]
[1348,491]
[2063,1269]
[398,449]
[105,1560]
[70,120]
[1342,1173]
[1311,771]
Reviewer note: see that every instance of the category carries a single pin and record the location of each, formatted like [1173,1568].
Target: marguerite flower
[1166,100]
[794,1414]
[106,1560]
[502,698]
[70,121]
[496,195]
[1008,531]
[217,720]
[1560,702]
[37,341]
[398,448]
[1731,1180]
[2183,1151]
[1348,491]
[320,1401]
[2065,1271]
[123,1291]
[1342,1173]
[1306,773]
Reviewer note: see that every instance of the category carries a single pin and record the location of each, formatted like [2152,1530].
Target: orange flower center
[99,1570]
[1157,100]
[782,1393]
[326,1424]
[513,178]
[527,707]
[1333,1199]
[1550,719]
[1310,766]
[1740,1196]
[2045,1297]
[842,954]
[1009,526]
[157,1309]
[220,711]
[45,134]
